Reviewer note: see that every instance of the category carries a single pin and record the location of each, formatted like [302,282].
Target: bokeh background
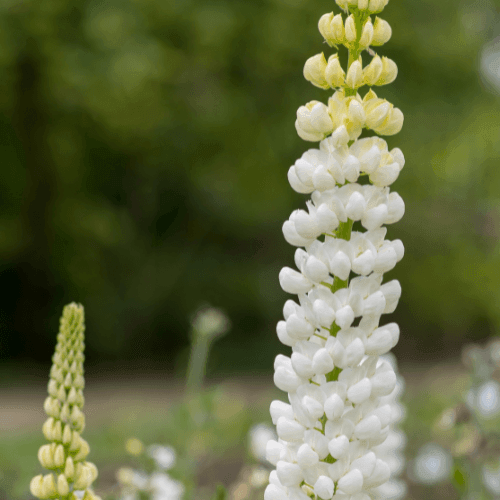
[145,146]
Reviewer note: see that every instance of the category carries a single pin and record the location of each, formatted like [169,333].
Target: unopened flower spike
[341,388]
[65,455]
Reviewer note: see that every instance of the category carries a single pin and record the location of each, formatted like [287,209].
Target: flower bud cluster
[65,455]
[315,120]
[371,6]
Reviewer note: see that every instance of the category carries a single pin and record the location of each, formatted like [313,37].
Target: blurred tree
[145,148]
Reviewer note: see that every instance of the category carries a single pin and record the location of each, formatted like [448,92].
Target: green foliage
[145,146]
[220,493]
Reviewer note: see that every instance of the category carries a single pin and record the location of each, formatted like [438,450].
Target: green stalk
[197,363]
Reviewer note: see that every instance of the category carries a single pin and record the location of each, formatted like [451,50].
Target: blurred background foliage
[145,146]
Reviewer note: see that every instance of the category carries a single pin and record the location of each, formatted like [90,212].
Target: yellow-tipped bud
[75,442]
[373,71]
[79,381]
[93,471]
[83,451]
[46,456]
[47,428]
[68,381]
[314,71]
[69,469]
[77,418]
[62,485]
[366,35]
[59,457]
[350,29]
[36,486]
[343,4]
[84,478]
[49,486]
[61,393]
[65,413]
[90,495]
[66,436]
[363,4]
[377,5]
[354,78]
[376,110]
[382,32]
[392,124]
[52,407]
[389,72]
[356,113]
[334,74]
[332,28]
[53,388]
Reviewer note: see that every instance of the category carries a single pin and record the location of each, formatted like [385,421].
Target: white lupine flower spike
[336,435]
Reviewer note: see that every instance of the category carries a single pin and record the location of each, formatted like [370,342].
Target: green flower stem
[360,20]
[197,363]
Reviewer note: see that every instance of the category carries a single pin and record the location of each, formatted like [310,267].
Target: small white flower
[164,456]
[432,464]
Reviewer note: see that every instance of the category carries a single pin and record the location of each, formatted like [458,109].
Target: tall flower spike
[332,434]
[65,455]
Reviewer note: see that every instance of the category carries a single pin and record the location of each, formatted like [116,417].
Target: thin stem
[197,363]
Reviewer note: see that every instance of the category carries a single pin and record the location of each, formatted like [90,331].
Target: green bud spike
[67,450]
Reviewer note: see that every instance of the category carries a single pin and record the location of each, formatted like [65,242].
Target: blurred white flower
[210,322]
[490,64]
[431,465]
[164,456]
[259,477]
[394,489]
[488,399]
[491,477]
[163,487]
[259,435]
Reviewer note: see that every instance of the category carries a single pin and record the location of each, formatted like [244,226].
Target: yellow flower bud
[373,71]
[59,457]
[366,35]
[93,470]
[68,381]
[389,72]
[83,451]
[84,479]
[56,374]
[36,486]
[62,485]
[354,78]
[49,488]
[337,29]
[363,4]
[334,74]
[80,401]
[314,71]
[69,469]
[79,381]
[52,407]
[53,388]
[324,25]
[343,4]
[65,413]
[46,456]
[392,124]
[350,29]
[382,32]
[61,393]
[356,112]
[376,5]
[377,110]
[90,495]
[66,436]
[47,428]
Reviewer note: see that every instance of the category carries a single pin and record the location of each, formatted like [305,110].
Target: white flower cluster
[158,485]
[331,436]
